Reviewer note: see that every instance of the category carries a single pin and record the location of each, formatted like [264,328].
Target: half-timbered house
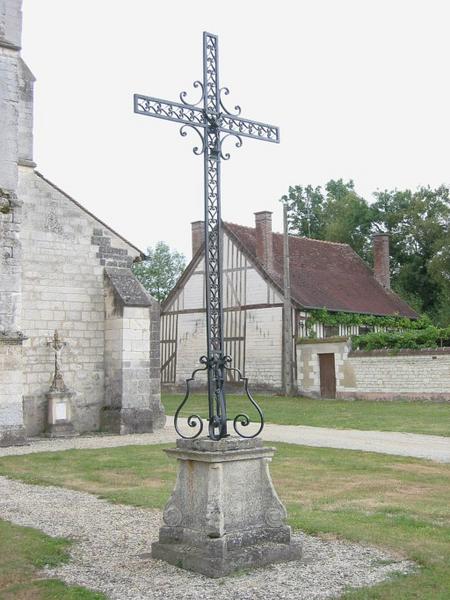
[323,275]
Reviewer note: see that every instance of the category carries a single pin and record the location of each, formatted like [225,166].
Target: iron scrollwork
[213,123]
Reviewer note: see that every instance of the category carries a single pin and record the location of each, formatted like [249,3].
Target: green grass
[23,552]
[393,502]
[413,417]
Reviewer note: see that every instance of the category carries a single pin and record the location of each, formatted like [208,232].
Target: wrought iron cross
[214,124]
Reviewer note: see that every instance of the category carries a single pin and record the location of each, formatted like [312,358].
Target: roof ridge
[298,237]
[305,237]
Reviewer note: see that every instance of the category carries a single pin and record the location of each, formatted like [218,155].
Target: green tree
[336,214]
[347,217]
[418,223]
[160,270]
[305,210]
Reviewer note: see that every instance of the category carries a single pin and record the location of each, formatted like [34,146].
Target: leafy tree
[160,270]
[347,217]
[336,214]
[305,210]
[418,223]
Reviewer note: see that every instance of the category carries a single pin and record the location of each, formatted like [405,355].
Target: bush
[430,337]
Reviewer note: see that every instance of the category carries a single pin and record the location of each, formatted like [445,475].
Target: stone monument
[59,398]
[224,513]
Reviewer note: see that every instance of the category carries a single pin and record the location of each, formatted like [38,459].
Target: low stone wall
[378,374]
[408,374]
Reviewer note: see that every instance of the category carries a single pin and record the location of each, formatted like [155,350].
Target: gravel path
[111,554]
[432,447]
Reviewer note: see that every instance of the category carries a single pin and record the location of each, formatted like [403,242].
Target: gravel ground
[111,554]
[432,447]
[91,441]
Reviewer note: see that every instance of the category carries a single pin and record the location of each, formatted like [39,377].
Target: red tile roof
[325,275]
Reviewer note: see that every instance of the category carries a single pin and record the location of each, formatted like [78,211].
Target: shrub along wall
[429,337]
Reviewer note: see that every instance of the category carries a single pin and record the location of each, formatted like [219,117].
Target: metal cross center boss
[213,123]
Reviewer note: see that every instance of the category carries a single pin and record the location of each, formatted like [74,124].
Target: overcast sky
[360,89]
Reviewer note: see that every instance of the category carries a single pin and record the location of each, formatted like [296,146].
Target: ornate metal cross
[214,124]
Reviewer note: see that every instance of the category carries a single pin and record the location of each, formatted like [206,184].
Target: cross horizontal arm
[170,111]
[248,128]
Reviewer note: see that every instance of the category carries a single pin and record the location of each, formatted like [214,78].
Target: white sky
[359,88]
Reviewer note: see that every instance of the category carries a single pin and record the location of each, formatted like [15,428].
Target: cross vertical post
[213,241]
[213,123]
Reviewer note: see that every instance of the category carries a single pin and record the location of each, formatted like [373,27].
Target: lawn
[23,552]
[413,417]
[397,503]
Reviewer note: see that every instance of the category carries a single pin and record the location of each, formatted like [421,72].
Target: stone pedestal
[224,513]
[60,414]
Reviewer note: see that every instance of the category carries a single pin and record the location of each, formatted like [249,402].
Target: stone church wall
[53,259]
[132,361]
[11,337]
[64,253]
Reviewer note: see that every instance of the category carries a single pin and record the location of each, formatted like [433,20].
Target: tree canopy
[160,271]
[418,223]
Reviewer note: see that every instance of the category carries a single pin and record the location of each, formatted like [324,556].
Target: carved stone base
[61,430]
[224,514]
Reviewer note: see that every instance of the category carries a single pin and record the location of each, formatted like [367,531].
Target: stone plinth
[224,513]
[60,414]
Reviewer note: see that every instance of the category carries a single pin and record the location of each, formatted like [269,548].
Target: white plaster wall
[191,345]
[258,291]
[243,286]
[263,363]
[193,296]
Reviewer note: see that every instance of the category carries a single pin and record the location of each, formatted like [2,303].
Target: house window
[363,329]
[330,331]
[302,332]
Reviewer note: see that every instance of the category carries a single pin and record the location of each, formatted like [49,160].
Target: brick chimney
[264,243]
[381,259]
[198,235]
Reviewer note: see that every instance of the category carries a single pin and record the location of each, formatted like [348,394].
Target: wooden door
[327,376]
